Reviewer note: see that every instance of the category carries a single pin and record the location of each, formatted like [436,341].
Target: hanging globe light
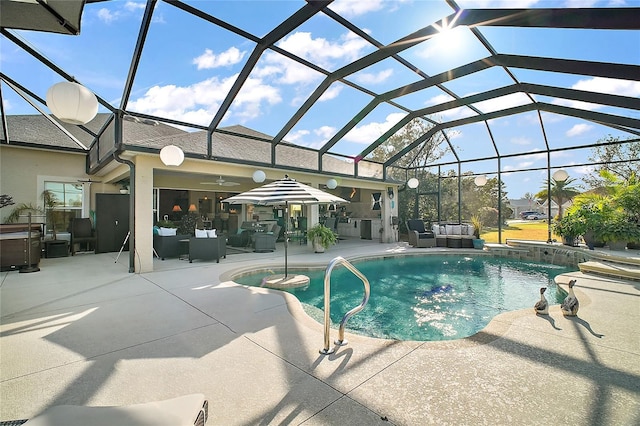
[413,183]
[560,175]
[480,180]
[332,184]
[171,155]
[72,103]
[259,176]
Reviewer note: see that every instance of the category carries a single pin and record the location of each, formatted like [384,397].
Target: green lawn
[532,230]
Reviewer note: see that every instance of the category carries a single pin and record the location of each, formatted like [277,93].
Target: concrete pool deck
[84,331]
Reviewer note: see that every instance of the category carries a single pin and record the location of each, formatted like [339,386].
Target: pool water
[427,298]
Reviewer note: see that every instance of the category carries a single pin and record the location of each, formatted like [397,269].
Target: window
[62,202]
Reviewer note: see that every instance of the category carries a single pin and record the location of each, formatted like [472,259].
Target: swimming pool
[427,298]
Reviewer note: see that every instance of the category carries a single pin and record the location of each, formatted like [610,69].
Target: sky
[188,65]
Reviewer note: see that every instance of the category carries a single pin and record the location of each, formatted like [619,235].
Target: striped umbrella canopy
[282,193]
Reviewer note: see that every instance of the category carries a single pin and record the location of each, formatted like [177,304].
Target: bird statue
[542,306]
[570,304]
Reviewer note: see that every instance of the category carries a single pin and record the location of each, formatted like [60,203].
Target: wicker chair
[418,235]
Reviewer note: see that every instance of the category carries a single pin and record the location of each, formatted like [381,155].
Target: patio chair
[184,410]
[82,233]
[266,241]
[418,235]
[207,248]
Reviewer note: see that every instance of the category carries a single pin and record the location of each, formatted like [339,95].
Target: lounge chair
[82,233]
[418,235]
[187,410]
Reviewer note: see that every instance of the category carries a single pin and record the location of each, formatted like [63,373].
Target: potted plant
[569,227]
[321,237]
[478,243]
[617,230]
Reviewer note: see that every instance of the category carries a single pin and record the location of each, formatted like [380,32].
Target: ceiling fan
[222,182]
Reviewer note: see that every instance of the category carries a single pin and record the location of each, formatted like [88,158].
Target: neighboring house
[524,205]
[554,207]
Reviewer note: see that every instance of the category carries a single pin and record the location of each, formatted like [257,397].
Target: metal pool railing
[327,299]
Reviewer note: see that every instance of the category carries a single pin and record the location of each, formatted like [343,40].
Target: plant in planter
[569,227]
[478,242]
[321,237]
[588,212]
[617,230]
[166,224]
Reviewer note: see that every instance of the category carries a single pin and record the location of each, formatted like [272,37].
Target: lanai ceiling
[505,88]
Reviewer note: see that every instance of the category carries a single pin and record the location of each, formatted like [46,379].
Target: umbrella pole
[286,235]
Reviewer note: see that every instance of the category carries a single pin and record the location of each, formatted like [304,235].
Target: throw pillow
[211,233]
[201,233]
[167,232]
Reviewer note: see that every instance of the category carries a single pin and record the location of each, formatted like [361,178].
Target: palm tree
[529,197]
[561,191]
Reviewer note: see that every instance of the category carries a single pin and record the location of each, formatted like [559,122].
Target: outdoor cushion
[167,232]
[211,233]
[201,233]
[187,410]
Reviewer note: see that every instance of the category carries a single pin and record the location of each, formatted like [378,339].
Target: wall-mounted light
[176,208]
[560,175]
[332,183]
[72,103]
[171,155]
[480,180]
[413,183]
[259,176]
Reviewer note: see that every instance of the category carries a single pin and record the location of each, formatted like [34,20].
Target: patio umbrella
[281,193]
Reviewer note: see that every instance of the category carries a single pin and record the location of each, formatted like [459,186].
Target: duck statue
[542,306]
[570,304]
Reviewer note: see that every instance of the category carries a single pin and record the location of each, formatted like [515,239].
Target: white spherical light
[560,175]
[171,155]
[259,176]
[72,103]
[413,183]
[332,184]
[480,180]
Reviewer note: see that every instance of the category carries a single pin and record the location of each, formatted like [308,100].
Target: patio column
[144,213]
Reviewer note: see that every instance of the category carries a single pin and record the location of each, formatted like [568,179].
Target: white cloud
[324,52]
[198,103]
[351,8]
[297,136]
[210,60]
[133,6]
[601,85]
[578,129]
[368,133]
[521,140]
[610,86]
[106,16]
[503,102]
[325,132]
[331,93]
[370,78]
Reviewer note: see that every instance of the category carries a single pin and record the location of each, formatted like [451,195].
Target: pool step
[630,271]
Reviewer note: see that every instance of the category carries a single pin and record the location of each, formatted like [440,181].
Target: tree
[429,151]
[561,192]
[530,199]
[617,157]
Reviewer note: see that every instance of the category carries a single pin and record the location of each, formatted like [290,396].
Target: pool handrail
[327,305]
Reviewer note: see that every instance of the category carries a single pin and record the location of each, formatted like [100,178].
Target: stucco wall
[20,169]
